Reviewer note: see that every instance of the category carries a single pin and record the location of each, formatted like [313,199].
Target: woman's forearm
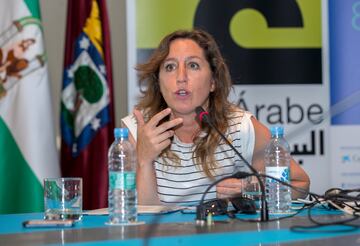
[146,185]
[304,185]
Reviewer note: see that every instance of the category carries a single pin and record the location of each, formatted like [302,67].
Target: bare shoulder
[261,131]
[130,123]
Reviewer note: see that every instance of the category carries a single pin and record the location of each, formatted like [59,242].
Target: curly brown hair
[152,101]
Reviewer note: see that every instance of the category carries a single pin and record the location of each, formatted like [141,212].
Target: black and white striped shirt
[185,183]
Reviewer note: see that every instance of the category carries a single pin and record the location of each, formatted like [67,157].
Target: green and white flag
[27,138]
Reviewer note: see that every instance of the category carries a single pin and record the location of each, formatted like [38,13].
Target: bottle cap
[121,133]
[277,131]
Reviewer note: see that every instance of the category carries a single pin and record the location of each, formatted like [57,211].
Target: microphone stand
[264,211]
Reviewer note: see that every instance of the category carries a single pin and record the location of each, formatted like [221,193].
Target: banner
[27,140]
[274,52]
[344,35]
[87,115]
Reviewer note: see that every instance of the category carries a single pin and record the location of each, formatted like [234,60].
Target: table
[177,229]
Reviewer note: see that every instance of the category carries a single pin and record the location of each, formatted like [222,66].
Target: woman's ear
[212,85]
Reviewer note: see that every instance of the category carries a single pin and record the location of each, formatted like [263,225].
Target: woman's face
[185,77]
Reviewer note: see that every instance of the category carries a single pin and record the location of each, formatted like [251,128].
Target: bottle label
[282,173]
[122,180]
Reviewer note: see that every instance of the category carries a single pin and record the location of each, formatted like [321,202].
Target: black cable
[200,214]
[317,201]
[277,218]
[315,196]
[318,224]
[325,199]
[203,116]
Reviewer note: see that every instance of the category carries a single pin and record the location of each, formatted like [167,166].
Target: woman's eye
[169,67]
[194,65]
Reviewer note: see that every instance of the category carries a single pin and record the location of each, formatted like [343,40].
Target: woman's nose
[182,74]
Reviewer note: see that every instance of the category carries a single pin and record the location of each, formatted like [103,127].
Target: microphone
[203,116]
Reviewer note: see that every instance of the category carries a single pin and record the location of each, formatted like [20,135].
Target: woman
[178,157]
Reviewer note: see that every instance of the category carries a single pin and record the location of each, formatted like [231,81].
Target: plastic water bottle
[122,180]
[277,164]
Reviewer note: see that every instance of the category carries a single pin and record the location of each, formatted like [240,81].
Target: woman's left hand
[229,188]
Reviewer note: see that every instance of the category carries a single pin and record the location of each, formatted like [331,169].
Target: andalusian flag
[86,101]
[27,141]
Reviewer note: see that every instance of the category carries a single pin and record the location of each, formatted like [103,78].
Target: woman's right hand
[229,188]
[153,138]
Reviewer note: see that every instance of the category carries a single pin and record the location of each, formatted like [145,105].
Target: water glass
[252,190]
[63,198]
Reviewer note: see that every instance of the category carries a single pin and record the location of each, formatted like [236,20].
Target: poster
[274,50]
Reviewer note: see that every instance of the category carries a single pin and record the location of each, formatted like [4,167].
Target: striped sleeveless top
[185,183]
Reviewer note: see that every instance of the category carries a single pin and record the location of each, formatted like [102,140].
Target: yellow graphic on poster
[259,35]
[248,27]
[264,41]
